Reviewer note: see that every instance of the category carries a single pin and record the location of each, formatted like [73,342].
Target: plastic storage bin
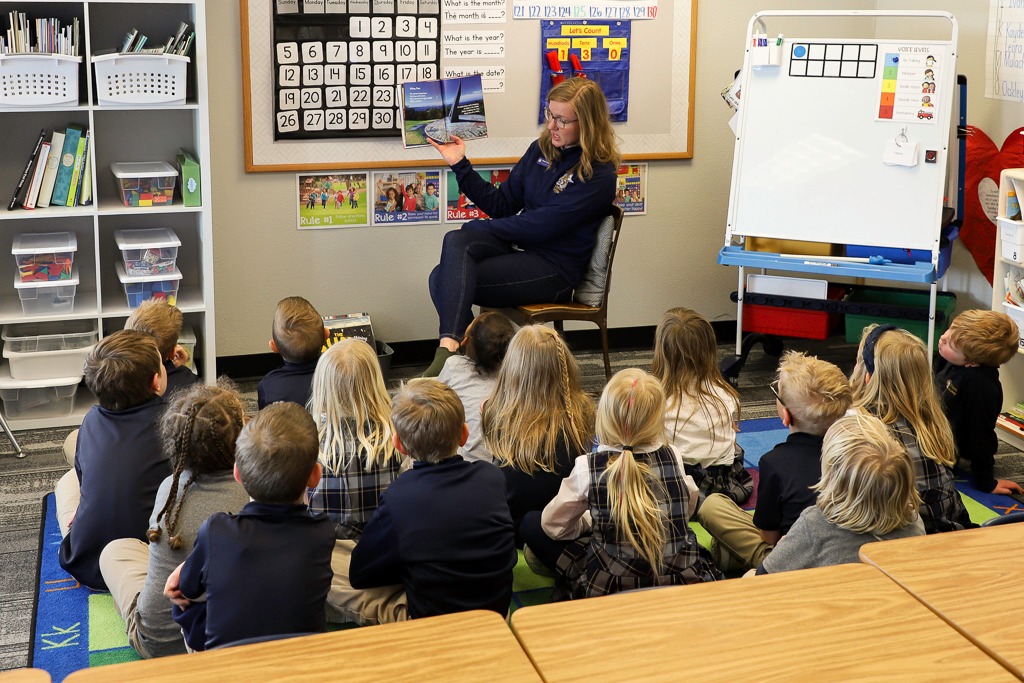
[145,183]
[1017,314]
[63,335]
[877,300]
[45,256]
[801,323]
[38,79]
[139,288]
[39,365]
[140,78]
[47,298]
[187,339]
[1011,233]
[147,251]
[37,398]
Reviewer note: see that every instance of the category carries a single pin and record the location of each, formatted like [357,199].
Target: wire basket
[140,78]
[33,79]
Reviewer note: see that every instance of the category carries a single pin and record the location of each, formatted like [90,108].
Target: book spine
[52,162]
[37,177]
[16,197]
[84,146]
[76,171]
[62,183]
[86,197]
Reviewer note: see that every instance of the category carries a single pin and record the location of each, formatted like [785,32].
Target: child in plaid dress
[351,406]
[893,381]
[639,498]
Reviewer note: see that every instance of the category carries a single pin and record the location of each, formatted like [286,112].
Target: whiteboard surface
[808,161]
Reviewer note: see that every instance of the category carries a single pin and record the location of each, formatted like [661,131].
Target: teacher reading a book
[543,221]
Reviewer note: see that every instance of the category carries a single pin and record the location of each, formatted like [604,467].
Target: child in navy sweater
[164,323]
[298,335]
[265,571]
[118,459]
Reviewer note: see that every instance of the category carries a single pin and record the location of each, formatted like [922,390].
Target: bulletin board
[814,129]
[661,92]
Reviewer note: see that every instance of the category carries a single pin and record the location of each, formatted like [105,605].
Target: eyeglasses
[560,121]
[774,386]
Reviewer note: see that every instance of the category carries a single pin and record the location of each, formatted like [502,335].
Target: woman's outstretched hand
[452,152]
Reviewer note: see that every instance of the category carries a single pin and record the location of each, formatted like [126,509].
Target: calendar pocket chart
[337,73]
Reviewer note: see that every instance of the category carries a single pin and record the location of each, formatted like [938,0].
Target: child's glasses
[774,386]
[560,121]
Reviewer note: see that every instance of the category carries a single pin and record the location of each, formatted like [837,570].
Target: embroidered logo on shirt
[563,182]
[950,387]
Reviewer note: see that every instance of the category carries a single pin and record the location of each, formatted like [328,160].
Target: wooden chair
[590,299]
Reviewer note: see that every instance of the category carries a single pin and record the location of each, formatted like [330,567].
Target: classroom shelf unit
[119,133]
[1011,374]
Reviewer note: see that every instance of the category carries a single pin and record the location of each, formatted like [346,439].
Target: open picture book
[440,109]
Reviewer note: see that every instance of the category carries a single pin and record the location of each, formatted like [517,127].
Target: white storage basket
[38,79]
[140,78]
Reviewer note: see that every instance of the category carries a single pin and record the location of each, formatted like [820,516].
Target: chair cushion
[590,290]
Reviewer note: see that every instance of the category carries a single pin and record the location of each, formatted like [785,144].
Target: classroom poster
[631,189]
[334,200]
[908,91]
[580,9]
[459,207]
[1004,58]
[404,197]
[598,50]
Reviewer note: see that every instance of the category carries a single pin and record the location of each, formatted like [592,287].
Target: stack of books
[59,171]
[1013,420]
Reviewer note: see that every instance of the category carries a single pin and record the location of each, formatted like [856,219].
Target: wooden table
[974,579]
[844,623]
[471,646]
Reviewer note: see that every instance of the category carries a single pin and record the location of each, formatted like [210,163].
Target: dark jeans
[546,549]
[478,268]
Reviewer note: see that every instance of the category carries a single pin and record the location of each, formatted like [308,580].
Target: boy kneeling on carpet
[266,570]
[118,460]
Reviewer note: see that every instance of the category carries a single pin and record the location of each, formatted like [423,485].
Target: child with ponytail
[198,430]
[639,498]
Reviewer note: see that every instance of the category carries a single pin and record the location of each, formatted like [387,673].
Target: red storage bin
[794,322]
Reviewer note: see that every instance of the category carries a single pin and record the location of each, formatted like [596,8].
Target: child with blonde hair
[702,408]
[866,494]
[474,375]
[353,412]
[538,419]
[893,381]
[298,334]
[810,394]
[638,496]
[198,430]
[973,348]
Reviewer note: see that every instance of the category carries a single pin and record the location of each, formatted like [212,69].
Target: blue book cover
[67,165]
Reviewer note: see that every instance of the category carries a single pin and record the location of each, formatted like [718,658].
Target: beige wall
[666,258]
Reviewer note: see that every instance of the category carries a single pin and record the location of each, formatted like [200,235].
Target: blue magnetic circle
[896,59]
[799,51]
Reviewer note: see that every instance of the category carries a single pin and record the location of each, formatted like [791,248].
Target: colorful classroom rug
[74,627]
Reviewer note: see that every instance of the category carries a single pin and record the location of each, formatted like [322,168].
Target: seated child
[866,494]
[198,429]
[638,496]
[810,395]
[265,571]
[443,529]
[298,335]
[474,375]
[164,323]
[118,460]
[973,348]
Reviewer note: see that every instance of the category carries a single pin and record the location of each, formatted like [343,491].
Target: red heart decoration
[978,232]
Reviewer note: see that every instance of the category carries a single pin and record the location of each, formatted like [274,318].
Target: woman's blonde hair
[351,406]
[537,401]
[686,363]
[867,478]
[631,413]
[901,387]
[597,137]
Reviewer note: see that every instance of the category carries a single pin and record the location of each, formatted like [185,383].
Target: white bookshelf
[1011,374]
[119,133]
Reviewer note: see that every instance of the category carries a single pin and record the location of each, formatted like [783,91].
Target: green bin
[945,303]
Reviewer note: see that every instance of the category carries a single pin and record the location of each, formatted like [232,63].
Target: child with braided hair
[639,498]
[537,420]
[198,430]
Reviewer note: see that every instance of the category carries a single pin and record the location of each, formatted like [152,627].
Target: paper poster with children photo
[406,197]
[336,200]
[631,190]
[460,207]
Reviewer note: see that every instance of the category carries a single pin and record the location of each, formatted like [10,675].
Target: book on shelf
[75,189]
[37,176]
[23,182]
[1009,426]
[348,326]
[62,184]
[1014,284]
[85,196]
[1013,419]
[50,174]
[436,110]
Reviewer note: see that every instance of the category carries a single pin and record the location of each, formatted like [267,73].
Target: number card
[337,72]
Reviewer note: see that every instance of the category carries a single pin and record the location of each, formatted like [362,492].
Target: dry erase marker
[778,41]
